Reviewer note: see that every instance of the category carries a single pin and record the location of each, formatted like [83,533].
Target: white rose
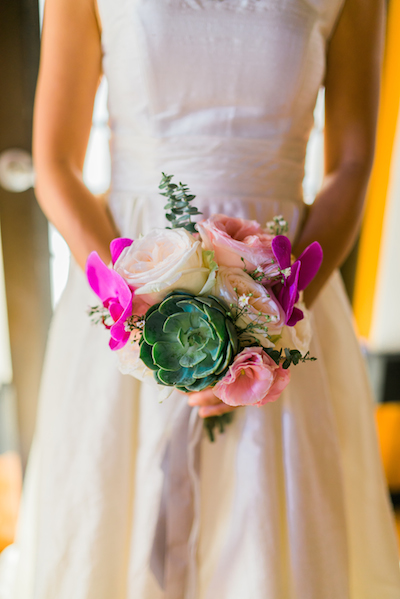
[161,261]
[299,336]
[252,298]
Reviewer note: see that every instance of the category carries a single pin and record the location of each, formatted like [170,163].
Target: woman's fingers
[218,410]
[209,404]
[203,398]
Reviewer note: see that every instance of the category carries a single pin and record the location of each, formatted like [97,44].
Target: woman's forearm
[334,220]
[81,217]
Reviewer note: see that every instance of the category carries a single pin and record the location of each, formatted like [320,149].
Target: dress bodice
[218,92]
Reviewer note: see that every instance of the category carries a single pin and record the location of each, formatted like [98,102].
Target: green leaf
[191,305]
[152,309]
[153,327]
[178,203]
[217,321]
[213,346]
[209,262]
[176,323]
[167,355]
[217,422]
[220,302]
[228,359]
[191,227]
[274,354]
[201,384]
[296,356]
[157,378]
[208,259]
[169,306]
[183,377]
[146,356]
[206,367]
[192,357]
[230,327]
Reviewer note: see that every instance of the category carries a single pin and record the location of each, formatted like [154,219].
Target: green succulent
[188,341]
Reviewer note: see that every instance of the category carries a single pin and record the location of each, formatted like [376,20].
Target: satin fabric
[290,502]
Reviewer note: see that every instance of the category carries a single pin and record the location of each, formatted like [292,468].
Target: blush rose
[253,379]
[235,238]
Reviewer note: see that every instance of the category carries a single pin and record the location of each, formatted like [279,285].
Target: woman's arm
[351,104]
[70,71]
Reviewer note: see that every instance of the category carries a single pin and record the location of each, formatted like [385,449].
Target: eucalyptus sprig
[289,356]
[217,422]
[179,198]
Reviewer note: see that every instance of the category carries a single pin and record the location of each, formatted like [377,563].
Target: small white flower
[243,301]
[270,224]
[259,269]
[283,223]
[286,271]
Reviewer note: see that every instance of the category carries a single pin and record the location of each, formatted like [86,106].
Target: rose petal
[282,379]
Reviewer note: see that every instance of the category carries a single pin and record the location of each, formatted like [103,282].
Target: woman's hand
[209,404]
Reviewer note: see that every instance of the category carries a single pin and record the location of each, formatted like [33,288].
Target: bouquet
[214,304]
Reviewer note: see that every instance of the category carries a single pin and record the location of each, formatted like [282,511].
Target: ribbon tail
[172,558]
[159,548]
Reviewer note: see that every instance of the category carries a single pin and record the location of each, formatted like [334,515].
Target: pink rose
[253,378]
[236,287]
[234,238]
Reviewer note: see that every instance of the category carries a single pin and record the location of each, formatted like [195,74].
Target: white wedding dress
[289,503]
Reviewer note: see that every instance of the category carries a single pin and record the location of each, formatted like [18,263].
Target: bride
[290,502]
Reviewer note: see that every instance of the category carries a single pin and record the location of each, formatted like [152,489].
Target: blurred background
[34,259]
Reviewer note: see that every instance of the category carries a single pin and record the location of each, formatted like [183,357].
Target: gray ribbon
[172,558]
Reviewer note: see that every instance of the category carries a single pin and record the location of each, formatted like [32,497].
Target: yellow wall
[371,234]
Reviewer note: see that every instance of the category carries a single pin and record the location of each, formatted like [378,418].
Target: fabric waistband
[229,167]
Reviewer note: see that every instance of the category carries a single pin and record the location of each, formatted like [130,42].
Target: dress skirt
[290,502]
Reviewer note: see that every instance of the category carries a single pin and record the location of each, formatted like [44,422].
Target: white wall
[385,330]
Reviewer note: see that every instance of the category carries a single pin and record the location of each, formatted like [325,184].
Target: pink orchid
[302,272]
[253,378]
[115,295]
[117,246]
